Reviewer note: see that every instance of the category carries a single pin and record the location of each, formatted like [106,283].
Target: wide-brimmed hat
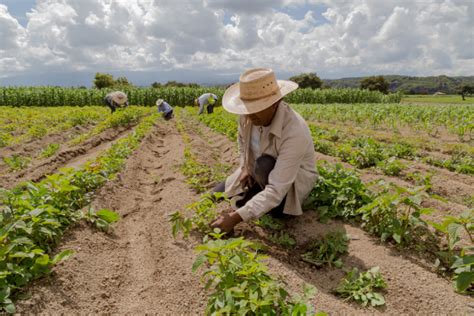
[119,97]
[256,90]
[159,102]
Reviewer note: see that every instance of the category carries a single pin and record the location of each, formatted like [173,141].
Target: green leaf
[198,262]
[464,280]
[10,308]
[62,256]
[108,215]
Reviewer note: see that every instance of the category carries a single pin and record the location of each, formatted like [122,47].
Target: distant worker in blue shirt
[208,99]
[116,100]
[165,108]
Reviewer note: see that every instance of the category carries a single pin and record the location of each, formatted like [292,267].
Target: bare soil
[141,269]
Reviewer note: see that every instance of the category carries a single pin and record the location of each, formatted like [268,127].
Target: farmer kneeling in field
[276,171]
[116,99]
[208,99]
[165,108]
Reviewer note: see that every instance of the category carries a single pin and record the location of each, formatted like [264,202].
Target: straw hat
[257,90]
[159,102]
[119,97]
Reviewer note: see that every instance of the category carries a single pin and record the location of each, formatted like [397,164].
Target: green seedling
[268,222]
[240,283]
[101,219]
[203,213]
[283,239]
[363,287]
[327,250]
[50,150]
[16,162]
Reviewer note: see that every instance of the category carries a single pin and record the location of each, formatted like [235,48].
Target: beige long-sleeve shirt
[287,139]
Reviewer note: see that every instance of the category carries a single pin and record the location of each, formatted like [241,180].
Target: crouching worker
[277,167]
[115,100]
[208,101]
[165,108]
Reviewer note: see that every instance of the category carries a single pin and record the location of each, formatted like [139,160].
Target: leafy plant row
[34,216]
[235,271]
[457,119]
[176,96]
[125,118]
[395,214]
[364,152]
[18,125]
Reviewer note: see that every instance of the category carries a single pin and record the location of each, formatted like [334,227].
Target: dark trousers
[168,116]
[110,105]
[210,108]
[263,166]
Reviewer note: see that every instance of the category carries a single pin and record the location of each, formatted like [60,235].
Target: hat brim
[232,102]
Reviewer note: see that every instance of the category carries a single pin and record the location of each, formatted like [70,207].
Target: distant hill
[409,85]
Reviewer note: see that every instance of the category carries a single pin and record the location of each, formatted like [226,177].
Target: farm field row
[151,269]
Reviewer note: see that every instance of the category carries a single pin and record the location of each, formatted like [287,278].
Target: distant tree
[308,80]
[122,82]
[174,83]
[375,83]
[466,90]
[156,85]
[103,80]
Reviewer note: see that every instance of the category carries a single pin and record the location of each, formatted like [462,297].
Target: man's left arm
[281,178]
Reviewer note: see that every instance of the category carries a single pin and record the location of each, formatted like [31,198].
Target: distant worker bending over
[115,100]
[277,166]
[165,108]
[207,99]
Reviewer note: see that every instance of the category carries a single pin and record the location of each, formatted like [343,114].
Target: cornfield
[57,96]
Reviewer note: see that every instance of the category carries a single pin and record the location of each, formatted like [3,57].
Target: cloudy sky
[66,41]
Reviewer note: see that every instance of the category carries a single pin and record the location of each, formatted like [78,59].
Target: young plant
[451,227]
[395,216]
[463,267]
[203,212]
[16,162]
[101,219]
[50,150]
[327,250]
[363,287]
[283,239]
[338,192]
[391,167]
[268,222]
[240,283]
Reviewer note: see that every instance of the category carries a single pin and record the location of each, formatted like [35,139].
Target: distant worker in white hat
[277,166]
[208,99]
[165,108]
[115,100]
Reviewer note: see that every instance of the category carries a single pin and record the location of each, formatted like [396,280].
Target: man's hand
[226,222]
[246,181]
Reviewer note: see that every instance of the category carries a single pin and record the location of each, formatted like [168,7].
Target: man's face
[265,117]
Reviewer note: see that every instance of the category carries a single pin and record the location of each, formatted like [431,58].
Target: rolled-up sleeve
[292,151]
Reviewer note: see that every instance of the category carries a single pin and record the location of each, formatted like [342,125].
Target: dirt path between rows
[142,269]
